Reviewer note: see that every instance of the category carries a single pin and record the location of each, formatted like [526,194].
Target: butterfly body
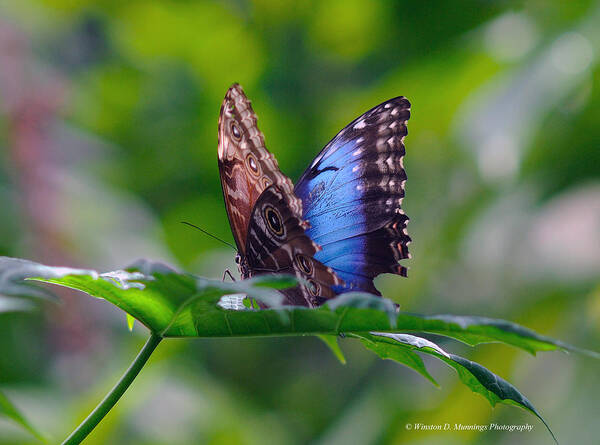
[243,266]
[340,226]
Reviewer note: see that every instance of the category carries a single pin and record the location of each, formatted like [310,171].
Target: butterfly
[340,226]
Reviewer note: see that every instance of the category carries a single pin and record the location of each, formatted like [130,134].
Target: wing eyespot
[273,220]
[313,288]
[235,131]
[304,264]
[252,165]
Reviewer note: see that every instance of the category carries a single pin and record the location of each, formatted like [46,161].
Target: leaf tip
[333,344]
[130,322]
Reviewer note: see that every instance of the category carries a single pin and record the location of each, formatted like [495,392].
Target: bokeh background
[108,119]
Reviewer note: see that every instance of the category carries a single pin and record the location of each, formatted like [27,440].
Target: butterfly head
[243,266]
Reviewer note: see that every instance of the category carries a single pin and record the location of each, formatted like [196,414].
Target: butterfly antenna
[209,234]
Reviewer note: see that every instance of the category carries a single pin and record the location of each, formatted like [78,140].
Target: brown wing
[277,243]
[245,166]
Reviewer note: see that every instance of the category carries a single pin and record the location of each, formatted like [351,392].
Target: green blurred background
[108,119]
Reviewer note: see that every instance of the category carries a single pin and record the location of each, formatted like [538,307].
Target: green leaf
[9,410]
[367,301]
[479,379]
[333,344]
[130,321]
[405,355]
[160,297]
[175,304]
[474,330]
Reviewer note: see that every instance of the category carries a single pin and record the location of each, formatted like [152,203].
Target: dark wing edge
[352,195]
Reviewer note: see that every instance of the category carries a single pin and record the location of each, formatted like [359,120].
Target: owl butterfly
[340,226]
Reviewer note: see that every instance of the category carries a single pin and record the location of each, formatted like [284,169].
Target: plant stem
[115,394]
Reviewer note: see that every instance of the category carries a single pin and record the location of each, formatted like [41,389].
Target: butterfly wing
[352,195]
[277,243]
[245,166]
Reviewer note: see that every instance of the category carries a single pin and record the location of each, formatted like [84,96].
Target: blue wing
[352,195]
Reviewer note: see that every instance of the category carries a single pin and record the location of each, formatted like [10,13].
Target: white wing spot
[360,124]
[394,111]
[357,152]
[355,169]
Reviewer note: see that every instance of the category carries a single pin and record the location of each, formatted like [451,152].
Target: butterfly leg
[227,272]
